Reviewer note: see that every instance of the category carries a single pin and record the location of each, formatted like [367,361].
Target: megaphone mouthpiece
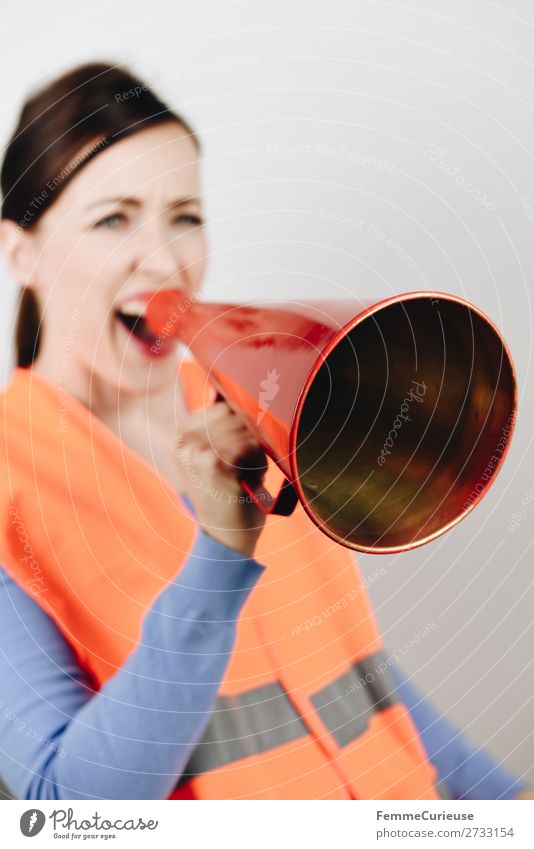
[163,312]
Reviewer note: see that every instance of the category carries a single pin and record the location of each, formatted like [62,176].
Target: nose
[157,257]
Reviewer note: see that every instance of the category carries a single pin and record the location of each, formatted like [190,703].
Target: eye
[111,221]
[188,218]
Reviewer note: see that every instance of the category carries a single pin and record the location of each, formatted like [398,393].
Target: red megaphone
[389,419]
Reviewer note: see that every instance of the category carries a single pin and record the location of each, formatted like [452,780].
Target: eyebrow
[132,201]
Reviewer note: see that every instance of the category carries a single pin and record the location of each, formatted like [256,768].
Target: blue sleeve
[131,739]
[467,772]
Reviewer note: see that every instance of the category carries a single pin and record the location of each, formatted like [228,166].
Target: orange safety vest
[306,709]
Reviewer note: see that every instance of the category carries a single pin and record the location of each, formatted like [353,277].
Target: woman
[160,638]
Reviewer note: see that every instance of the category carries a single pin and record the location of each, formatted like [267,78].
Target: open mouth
[131,314]
[136,325]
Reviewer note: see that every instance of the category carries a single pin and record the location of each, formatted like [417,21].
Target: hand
[213,448]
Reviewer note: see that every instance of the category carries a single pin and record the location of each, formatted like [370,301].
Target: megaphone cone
[389,419]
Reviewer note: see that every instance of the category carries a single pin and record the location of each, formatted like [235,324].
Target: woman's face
[127,225]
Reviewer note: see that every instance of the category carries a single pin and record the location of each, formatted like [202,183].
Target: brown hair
[55,137]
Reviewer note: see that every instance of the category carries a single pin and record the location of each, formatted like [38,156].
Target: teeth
[133,307]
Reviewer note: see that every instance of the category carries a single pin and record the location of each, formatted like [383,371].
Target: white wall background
[409,121]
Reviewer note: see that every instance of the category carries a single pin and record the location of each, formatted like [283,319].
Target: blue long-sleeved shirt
[61,740]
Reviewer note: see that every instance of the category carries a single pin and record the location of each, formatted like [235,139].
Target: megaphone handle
[284,503]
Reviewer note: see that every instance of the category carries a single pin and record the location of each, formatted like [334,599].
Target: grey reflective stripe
[263,718]
[346,704]
[245,724]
